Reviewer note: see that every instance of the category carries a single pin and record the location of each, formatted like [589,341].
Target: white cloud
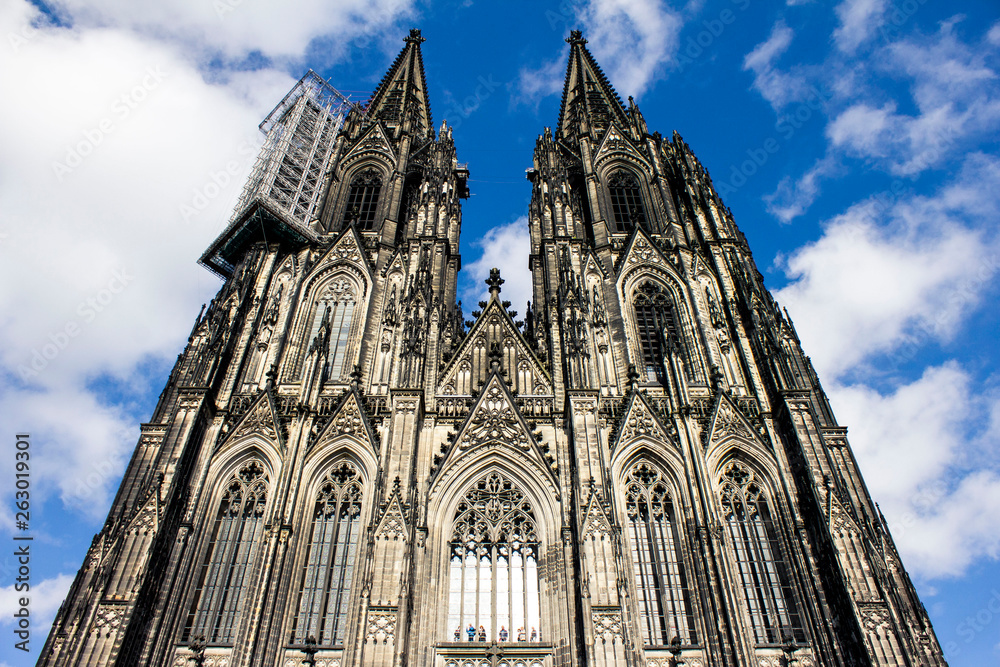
[791,200]
[993,36]
[862,129]
[913,447]
[859,20]
[46,596]
[888,277]
[632,40]
[895,270]
[505,247]
[779,88]
[114,128]
[534,84]
[956,94]
[234,27]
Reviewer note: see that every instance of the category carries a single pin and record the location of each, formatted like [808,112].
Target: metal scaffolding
[290,172]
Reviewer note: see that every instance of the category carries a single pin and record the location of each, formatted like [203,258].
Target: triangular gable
[391,525]
[840,518]
[699,265]
[729,422]
[395,263]
[374,140]
[640,421]
[639,251]
[260,419]
[493,325]
[494,420]
[596,523]
[347,248]
[350,418]
[592,265]
[616,143]
[148,517]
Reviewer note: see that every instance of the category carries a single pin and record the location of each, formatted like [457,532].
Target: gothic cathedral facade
[343,471]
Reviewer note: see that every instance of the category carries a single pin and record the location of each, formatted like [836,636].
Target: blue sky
[855,142]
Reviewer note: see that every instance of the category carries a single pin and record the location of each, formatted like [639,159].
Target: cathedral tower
[343,471]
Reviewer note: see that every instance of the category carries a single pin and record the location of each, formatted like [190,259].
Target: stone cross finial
[494,281]
[633,376]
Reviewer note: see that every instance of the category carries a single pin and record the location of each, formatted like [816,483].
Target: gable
[259,420]
[616,143]
[495,422]
[470,365]
[639,252]
[639,421]
[348,419]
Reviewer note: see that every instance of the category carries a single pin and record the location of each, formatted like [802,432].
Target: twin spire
[589,101]
[401,96]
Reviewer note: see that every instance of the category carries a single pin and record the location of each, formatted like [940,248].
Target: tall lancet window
[362,199]
[627,208]
[329,566]
[762,570]
[654,319]
[225,578]
[660,581]
[493,589]
[335,307]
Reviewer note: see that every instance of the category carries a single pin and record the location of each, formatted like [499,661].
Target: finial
[494,281]
[414,37]
[633,377]
[356,376]
[576,37]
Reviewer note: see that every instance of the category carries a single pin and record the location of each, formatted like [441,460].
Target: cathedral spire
[401,96]
[589,101]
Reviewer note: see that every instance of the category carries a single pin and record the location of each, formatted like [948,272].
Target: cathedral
[346,469]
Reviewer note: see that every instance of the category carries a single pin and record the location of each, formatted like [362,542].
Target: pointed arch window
[224,580]
[762,570]
[331,324]
[325,590]
[493,569]
[661,582]
[656,325]
[362,199]
[627,207]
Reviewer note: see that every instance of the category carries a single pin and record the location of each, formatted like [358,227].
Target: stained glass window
[362,199]
[223,581]
[493,570]
[762,569]
[335,308]
[329,566]
[660,580]
[654,319]
[626,202]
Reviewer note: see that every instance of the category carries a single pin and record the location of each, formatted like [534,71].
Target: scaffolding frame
[289,178]
[291,169]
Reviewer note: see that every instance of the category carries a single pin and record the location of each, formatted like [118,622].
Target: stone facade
[343,471]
